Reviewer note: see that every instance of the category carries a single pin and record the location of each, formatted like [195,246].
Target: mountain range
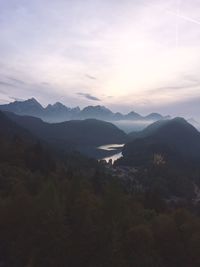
[174,139]
[59,112]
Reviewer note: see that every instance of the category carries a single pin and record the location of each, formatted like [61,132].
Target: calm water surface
[115,148]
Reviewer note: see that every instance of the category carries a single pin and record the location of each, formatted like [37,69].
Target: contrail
[177,13]
[186,18]
[177,22]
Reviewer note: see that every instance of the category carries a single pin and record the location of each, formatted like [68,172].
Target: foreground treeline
[59,213]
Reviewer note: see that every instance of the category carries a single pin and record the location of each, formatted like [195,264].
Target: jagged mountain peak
[59,112]
[57,106]
[154,116]
[133,113]
[98,107]
[31,101]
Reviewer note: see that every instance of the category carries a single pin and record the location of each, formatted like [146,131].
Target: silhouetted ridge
[174,139]
[10,129]
[77,134]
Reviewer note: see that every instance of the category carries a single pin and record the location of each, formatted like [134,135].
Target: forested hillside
[66,211]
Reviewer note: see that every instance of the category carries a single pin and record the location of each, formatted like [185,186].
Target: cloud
[174,88]
[2,83]
[3,101]
[45,83]
[186,82]
[15,80]
[16,98]
[90,77]
[2,91]
[89,96]
[191,78]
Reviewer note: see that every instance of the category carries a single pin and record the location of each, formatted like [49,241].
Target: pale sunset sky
[141,55]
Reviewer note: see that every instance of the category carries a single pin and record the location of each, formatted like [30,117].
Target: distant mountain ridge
[59,112]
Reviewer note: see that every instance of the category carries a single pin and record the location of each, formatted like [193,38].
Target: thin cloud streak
[188,19]
[6,84]
[90,77]
[16,80]
[89,96]
[16,98]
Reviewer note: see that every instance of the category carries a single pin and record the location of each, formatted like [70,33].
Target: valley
[56,193]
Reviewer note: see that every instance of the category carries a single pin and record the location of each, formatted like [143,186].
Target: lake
[117,151]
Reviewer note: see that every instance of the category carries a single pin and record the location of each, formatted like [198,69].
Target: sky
[141,55]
